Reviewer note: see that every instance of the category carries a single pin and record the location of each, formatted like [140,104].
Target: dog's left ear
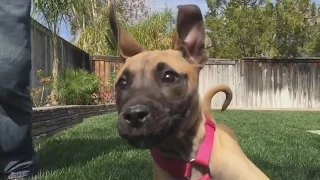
[190,37]
[127,45]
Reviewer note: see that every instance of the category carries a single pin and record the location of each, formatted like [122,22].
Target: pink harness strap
[181,168]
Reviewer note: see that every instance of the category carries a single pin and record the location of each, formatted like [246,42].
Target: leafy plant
[263,28]
[76,87]
[153,31]
[37,94]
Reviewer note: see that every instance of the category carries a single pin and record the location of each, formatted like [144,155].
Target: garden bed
[49,120]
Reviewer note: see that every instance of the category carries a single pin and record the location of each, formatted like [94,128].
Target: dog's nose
[136,115]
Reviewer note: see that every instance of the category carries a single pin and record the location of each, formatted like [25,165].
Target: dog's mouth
[149,135]
[145,142]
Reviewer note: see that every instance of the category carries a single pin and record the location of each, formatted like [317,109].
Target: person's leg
[17,156]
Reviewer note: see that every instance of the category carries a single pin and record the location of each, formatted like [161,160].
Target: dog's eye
[170,77]
[122,83]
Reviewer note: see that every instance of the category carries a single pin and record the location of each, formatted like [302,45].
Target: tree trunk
[93,9]
[55,70]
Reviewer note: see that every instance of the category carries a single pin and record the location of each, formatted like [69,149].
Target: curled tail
[206,104]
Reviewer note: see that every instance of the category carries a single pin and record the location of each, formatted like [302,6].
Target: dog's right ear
[127,45]
[190,34]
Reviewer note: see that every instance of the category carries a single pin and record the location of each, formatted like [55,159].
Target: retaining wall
[49,120]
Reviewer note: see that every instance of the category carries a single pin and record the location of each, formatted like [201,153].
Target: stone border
[50,120]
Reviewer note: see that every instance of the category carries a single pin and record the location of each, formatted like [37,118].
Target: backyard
[276,141]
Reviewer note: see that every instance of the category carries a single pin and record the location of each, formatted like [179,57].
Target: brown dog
[159,106]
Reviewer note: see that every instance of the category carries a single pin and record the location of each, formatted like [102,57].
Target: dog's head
[157,91]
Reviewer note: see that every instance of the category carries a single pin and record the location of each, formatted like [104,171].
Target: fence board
[107,72]
[102,71]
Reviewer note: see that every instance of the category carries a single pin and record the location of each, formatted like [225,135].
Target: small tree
[52,13]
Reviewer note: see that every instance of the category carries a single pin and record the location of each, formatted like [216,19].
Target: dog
[159,107]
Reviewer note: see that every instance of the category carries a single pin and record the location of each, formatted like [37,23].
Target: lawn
[277,142]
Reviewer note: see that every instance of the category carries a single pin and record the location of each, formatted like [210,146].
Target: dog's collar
[179,168]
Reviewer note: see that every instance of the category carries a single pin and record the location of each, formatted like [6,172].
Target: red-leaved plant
[37,94]
[106,92]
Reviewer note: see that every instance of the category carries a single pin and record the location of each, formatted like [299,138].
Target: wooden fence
[265,83]
[41,53]
[256,83]
[106,67]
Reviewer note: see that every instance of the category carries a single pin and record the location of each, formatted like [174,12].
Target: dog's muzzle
[144,123]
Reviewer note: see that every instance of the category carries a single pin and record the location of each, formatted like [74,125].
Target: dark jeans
[17,156]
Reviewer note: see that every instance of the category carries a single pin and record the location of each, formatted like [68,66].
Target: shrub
[76,87]
[104,96]
[37,93]
[106,92]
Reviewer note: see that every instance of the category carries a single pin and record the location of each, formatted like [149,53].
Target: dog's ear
[191,34]
[127,45]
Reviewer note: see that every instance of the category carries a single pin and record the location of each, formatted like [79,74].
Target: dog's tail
[206,104]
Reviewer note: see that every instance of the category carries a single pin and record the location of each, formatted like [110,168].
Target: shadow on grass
[84,159]
[283,171]
[129,169]
[57,154]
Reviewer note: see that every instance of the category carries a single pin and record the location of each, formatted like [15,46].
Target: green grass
[277,142]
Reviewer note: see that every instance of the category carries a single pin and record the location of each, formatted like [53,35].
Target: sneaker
[25,172]
[19,175]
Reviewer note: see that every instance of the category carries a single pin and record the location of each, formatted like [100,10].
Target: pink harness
[179,168]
